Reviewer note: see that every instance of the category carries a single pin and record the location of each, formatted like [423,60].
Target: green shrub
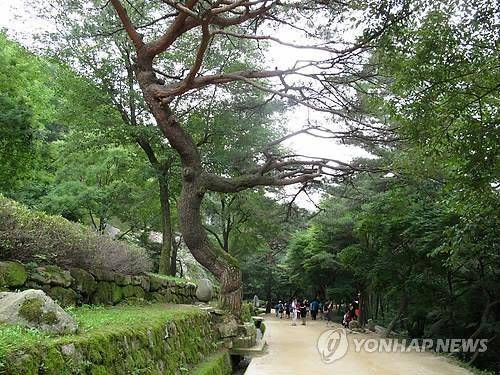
[30,236]
[246,311]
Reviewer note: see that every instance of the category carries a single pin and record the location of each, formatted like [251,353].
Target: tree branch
[127,24]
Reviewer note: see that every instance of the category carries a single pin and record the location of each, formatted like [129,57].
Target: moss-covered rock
[217,364]
[107,293]
[122,280]
[156,297]
[102,275]
[167,342]
[53,363]
[155,283]
[83,282]
[52,275]
[12,274]
[32,310]
[64,296]
[145,283]
[133,291]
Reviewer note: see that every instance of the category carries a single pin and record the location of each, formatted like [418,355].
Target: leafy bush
[247,311]
[30,236]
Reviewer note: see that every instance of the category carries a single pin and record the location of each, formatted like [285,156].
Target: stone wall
[217,364]
[155,347]
[77,286]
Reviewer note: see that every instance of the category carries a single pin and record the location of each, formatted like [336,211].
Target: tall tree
[239,19]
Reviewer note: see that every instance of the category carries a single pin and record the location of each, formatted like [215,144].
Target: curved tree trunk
[225,268]
[217,261]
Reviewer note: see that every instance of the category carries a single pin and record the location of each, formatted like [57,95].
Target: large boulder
[12,274]
[204,290]
[52,275]
[33,308]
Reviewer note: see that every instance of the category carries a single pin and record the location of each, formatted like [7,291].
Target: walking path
[293,350]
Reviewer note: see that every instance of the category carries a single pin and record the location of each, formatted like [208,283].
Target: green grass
[92,319]
[178,280]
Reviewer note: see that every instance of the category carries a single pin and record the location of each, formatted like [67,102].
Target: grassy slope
[92,319]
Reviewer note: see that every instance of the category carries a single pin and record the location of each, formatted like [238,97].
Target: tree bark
[402,308]
[173,257]
[164,266]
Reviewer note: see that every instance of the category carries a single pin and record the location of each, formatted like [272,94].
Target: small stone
[68,350]
[204,290]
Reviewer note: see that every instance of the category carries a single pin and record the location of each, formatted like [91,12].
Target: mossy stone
[32,310]
[64,296]
[148,346]
[83,282]
[52,275]
[122,280]
[155,283]
[24,364]
[218,364]
[156,297]
[107,293]
[102,275]
[12,274]
[53,363]
[50,318]
[133,291]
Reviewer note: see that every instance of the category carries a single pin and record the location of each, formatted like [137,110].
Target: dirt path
[293,350]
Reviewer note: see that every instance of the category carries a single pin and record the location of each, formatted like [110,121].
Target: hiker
[347,318]
[303,312]
[329,312]
[287,309]
[295,305]
[352,311]
[256,302]
[314,309]
[320,310]
[281,309]
[276,309]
